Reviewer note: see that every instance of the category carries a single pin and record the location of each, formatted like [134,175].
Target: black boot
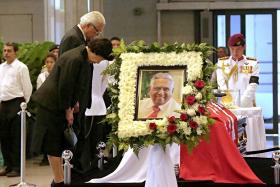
[53,184]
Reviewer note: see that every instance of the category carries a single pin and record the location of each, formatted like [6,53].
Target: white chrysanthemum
[201,120]
[187,89]
[162,129]
[198,96]
[191,112]
[204,120]
[195,106]
[185,127]
[199,131]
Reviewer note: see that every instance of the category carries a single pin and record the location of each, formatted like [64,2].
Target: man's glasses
[96,30]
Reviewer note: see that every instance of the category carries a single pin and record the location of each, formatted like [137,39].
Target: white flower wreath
[194,120]
[127,85]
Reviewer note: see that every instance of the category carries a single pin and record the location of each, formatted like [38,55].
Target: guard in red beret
[238,72]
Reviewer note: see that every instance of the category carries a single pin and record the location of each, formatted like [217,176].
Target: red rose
[184,117]
[193,124]
[171,128]
[201,110]
[199,84]
[190,99]
[153,126]
[171,119]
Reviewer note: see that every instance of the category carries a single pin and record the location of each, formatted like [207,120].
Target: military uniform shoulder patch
[251,58]
[224,58]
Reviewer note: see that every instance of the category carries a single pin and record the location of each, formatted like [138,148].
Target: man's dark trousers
[10,132]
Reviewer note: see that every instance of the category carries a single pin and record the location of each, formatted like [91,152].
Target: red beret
[236,40]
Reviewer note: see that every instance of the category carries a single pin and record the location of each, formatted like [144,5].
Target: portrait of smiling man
[160,102]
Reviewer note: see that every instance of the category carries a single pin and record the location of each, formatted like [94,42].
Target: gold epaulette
[251,58]
[224,58]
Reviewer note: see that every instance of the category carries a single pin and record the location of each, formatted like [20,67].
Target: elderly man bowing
[91,25]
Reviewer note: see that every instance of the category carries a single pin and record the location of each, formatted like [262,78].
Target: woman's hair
[115,38]
[55,46]
[50,55]
[102,47]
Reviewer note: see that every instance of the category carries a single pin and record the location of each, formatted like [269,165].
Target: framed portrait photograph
[159,91]
[136,72]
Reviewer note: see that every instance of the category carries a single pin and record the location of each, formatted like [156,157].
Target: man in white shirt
[161,103]
[15,88]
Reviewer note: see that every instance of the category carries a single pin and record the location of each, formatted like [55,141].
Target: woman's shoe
[53,184]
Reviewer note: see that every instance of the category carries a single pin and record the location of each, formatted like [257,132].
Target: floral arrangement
[194,120]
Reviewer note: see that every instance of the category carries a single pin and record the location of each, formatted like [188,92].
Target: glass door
[259,29]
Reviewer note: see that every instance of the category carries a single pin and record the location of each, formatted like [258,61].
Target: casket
[242,136]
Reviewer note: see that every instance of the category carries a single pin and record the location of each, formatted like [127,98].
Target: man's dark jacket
[73,38]
[68,83]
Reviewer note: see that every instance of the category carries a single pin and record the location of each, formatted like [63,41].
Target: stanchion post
[276,158]
[115,151]
[67,155]
[101,147]
[23,113]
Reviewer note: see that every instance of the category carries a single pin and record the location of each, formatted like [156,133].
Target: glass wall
[259,45]
[259,30]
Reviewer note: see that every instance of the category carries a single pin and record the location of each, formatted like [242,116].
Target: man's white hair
[162,76]
[93,17]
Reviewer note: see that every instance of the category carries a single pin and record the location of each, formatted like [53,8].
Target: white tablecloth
[133,169]
[255,128]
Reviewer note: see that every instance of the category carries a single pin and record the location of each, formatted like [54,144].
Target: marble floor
[35,174]
[42,176]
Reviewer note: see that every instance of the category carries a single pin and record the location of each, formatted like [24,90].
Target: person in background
[161,102]
[66,91]
[55,50]
[222,52]
[15,88]
[97,112]
[239,72]
[91,25]
[49,63]
[116,41]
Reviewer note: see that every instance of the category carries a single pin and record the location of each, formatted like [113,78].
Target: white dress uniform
[239,75]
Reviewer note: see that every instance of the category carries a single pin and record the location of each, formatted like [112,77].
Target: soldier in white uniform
[238,72]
